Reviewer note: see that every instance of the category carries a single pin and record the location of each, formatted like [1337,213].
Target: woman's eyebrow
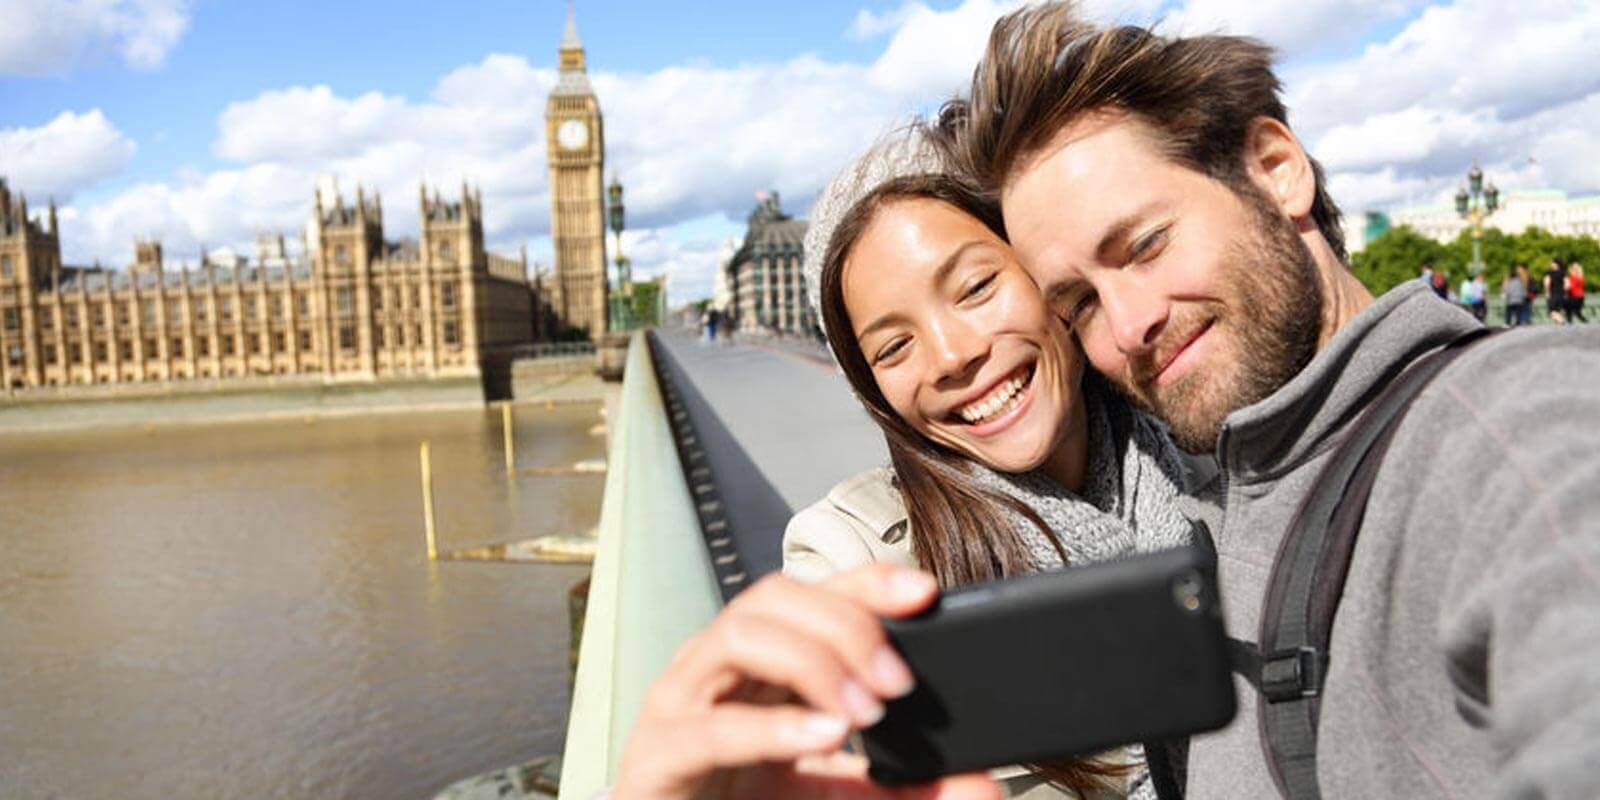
[881,322]
[939,276]
[954,258]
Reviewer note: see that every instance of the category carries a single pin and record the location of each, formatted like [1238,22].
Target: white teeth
[1003,398]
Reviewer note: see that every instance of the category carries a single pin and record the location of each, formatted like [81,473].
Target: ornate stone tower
[576,146]
[351,238]
[30,262]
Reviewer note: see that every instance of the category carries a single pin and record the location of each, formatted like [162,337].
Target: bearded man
[1154,190]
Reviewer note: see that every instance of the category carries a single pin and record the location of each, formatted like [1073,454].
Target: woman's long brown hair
[959,530]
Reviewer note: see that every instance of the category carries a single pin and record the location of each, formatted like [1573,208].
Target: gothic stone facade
[358,308]
[764,276]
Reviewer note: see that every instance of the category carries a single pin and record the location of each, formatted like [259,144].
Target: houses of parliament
[353,305]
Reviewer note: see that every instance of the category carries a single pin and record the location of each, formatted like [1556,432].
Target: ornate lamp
[621,314]
[1474,203]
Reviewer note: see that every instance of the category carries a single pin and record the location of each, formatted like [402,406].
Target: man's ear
[1278,164]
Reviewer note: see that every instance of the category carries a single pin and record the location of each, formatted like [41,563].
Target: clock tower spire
[576,150]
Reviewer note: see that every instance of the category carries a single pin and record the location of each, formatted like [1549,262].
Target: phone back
[1071,662]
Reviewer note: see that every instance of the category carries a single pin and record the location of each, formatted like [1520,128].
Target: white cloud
[682,258]
[226,207]
[1410,136]
[1396,121]
[71,152]
[1356,192]
[870,24]
[1470,55]
[49,37]
[1292,27]
[301,123]
[932,53]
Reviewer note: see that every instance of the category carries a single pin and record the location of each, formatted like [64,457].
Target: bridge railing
[652,586]
[543,350]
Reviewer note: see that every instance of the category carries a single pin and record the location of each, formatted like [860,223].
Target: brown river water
[246,610]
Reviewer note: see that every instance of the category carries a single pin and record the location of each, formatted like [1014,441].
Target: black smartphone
[1062,663]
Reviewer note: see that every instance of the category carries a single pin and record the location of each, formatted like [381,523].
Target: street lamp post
[621,314]
[1475,206]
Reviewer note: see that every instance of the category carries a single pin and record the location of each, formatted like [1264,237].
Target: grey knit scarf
[1128,504]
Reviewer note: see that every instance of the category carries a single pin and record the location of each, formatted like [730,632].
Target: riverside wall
[201,402]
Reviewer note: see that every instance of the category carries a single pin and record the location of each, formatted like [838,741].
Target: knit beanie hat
[902,153]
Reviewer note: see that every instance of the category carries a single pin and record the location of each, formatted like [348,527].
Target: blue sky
[204,122]
[237,50]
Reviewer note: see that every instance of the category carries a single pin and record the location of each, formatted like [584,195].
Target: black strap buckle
[1292,674]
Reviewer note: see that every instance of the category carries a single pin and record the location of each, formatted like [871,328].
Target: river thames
[247,610]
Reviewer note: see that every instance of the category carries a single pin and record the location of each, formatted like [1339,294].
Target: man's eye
[1073,308]
[1148,245]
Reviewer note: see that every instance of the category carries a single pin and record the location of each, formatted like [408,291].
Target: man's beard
[1269,320]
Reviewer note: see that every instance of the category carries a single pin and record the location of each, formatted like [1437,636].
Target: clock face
[572,134]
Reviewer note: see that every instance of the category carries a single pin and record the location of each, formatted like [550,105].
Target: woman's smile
[997,408]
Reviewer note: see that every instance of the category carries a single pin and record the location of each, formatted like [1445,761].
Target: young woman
[1005,459]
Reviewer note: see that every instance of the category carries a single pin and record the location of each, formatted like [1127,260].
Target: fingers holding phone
[785,672]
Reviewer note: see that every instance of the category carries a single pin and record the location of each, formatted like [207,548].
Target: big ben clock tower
[576,146]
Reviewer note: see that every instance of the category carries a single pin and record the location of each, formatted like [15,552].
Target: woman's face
[958,337]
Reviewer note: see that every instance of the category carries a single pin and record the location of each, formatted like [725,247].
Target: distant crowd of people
[1561,286]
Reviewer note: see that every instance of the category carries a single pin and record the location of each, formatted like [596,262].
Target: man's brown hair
[1045,68]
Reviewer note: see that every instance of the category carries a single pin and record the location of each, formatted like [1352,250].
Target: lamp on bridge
[621,313]
[1475,206]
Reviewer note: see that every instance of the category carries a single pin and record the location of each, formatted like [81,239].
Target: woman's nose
[956,348]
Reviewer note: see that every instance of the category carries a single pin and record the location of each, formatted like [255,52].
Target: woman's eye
[978,287]
[889,351]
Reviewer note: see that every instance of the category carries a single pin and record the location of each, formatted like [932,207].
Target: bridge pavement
[791,412]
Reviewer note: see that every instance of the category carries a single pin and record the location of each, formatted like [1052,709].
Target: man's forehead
[1093,176]
[1102,128]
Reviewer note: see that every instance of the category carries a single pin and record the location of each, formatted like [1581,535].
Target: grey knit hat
[902,153]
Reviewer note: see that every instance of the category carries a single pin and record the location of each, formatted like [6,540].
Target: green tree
[1395,257]
[646,302]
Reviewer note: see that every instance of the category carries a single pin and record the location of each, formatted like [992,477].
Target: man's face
[1193,299]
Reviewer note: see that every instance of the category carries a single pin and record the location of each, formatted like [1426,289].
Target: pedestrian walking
[1555,292]
[1515,293]
[1575,293]
[1472,296]
[1525,312]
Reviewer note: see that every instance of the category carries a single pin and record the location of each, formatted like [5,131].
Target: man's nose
[1135,314]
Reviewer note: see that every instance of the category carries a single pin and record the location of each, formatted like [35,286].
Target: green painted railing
[651,588]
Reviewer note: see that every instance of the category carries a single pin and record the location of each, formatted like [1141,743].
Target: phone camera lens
[1186,589]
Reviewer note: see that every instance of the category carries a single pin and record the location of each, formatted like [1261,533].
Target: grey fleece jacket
[1466,651]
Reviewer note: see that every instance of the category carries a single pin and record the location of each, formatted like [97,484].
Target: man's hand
[759,703]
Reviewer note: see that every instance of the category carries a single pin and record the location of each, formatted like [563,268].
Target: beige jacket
[863,521]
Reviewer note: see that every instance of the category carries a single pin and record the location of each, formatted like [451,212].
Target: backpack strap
[1308,577]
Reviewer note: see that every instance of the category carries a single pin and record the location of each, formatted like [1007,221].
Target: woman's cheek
[901,393]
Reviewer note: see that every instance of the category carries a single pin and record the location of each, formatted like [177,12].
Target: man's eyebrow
[1121,229]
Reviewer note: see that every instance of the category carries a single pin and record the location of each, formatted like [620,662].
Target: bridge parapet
[653,584]
[711,449]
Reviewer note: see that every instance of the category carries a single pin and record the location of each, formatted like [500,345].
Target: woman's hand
[760,702]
